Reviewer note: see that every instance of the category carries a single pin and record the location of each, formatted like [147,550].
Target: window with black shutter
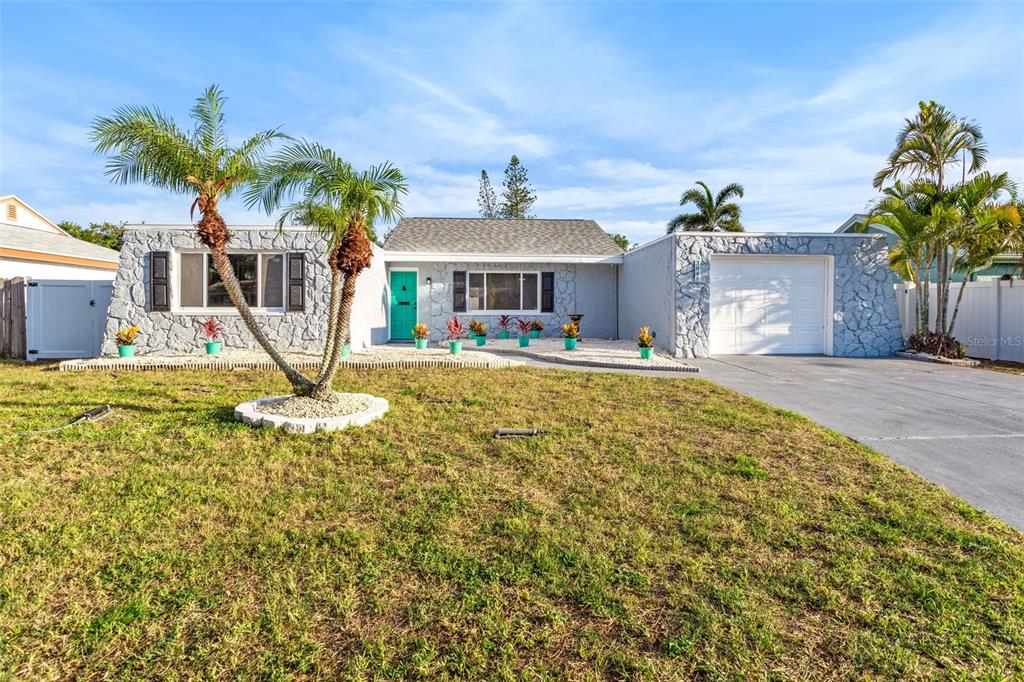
[547,292]
[459,291]
[296,281]
[159,295]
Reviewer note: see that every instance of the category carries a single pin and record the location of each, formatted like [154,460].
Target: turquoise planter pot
[524,341]
[455,347]
[534,334]
[503,334]
[481,340]
[570,344]
[213,347]
[646,353]
[126,351]
[345,350]
[421,344]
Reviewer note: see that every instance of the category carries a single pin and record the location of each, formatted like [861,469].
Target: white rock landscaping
[255,413]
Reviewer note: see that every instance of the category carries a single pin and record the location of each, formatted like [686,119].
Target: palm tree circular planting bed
[288,413]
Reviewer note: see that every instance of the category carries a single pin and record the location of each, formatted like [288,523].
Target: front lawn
[662,529]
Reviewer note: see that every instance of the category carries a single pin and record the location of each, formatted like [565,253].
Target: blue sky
[614,109]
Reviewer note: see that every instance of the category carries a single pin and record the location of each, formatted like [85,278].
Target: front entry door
[403,304]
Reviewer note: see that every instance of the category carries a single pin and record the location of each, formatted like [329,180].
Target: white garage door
[768,304]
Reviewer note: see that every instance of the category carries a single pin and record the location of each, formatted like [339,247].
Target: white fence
[991,318]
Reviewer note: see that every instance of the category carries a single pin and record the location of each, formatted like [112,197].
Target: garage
[769,305]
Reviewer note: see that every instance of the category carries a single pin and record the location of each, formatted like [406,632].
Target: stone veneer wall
[435,302]
[865,321]
[163,333]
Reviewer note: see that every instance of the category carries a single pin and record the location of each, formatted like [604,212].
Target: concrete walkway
[958,427]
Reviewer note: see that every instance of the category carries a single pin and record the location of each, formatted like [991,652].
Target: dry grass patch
[663,529]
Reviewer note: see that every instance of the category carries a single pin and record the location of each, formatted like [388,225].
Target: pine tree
[488,201]
[516,195]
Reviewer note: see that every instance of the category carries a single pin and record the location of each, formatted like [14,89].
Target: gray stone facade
[176,332]
[865,318]
[435,301]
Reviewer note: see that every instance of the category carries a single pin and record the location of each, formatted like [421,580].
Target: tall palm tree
[714,212]
[145,145]
[345,206]
[925,147]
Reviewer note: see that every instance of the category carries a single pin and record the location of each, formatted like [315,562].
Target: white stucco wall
[369,324]
[647,292]
[13,267]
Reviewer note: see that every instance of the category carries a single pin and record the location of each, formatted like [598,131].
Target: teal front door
[403,304]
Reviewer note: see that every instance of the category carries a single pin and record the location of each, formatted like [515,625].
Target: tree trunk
[300,384]
[325,382]
[959,298]
[332,318]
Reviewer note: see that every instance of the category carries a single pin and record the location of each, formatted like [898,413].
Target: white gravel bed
[338,405]
[593,353]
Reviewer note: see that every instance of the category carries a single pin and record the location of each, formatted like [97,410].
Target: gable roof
[497,237]
[46,225]
[31,244]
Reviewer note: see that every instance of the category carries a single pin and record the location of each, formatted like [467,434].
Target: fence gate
[66,318]
[12,318]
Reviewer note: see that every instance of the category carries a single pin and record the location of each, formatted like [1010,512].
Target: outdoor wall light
[429,281]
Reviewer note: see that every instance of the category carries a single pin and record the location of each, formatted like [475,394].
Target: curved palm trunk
[325,382]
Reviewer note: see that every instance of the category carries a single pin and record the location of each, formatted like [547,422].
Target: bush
[934,343]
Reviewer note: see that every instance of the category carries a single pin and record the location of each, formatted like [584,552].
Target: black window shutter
[296,281]
[547,292]
[459,291]
[159,296]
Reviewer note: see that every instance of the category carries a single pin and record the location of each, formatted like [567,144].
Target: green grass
[663,529]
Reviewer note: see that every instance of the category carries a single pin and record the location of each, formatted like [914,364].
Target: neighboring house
[32,246]
[1003,264]
[702,293]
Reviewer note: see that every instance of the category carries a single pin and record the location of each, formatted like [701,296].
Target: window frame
[520,311]
[258,309]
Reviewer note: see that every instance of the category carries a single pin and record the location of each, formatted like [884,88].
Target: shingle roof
[534,236]
[28,239]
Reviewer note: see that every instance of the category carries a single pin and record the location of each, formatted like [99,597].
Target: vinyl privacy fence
[991,318]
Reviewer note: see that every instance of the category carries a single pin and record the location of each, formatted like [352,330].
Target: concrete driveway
[960,428]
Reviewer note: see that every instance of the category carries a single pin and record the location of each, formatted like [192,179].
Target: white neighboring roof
[14,211]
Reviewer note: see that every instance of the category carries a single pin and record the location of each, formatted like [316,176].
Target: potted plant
[126,341]
[504,324]
[214,333]
[456,331]
[525,329]
[571,334]
[420,332]
[536,327]
[478,331]
[646,342]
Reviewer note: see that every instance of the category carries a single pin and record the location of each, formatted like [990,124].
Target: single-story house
[32,246]
[1002,265]
[702,293]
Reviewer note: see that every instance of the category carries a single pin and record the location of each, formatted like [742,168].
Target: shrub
[478,328]
[937,344]
[505,322]
[126,336]
[456,330]
[524,326]
[571,330]
[646,338]
[212,329]
[537,326]
[420,331]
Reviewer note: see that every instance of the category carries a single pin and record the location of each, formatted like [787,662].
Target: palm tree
[926,145]
[911,212]
[988,226]
[345,206]
[713,212]
[146,146]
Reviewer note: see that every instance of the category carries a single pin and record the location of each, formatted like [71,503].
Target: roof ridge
[440,217]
